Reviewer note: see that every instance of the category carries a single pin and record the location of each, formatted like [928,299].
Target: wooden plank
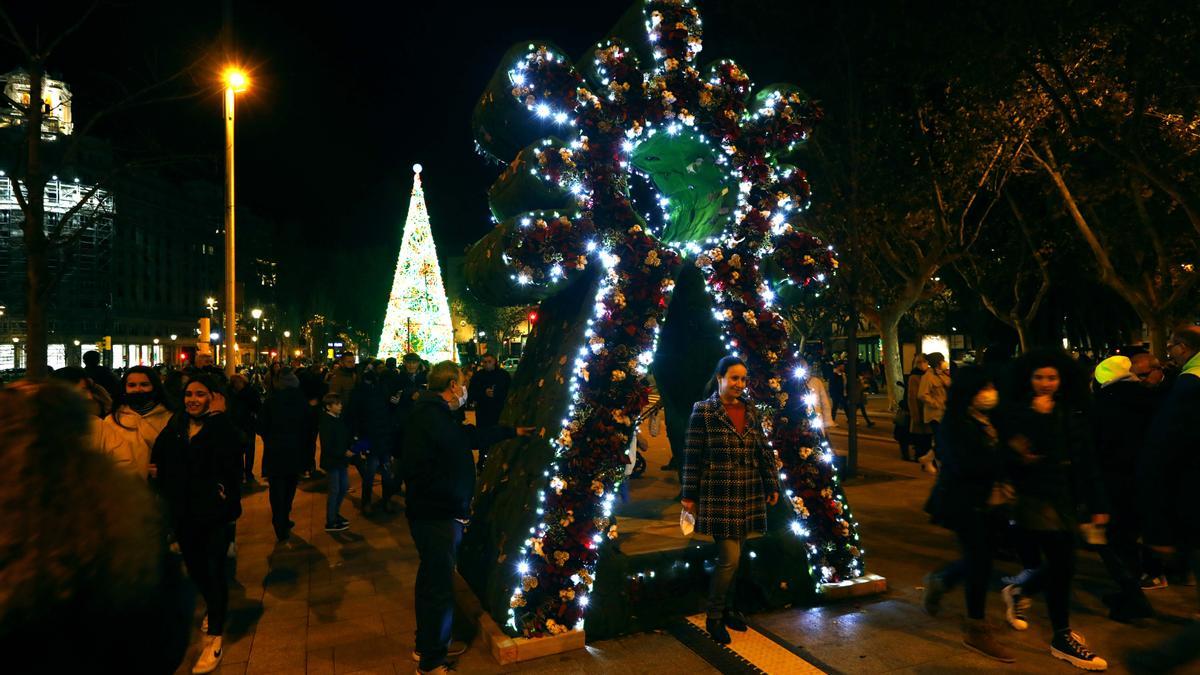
[504,648]
[867,584]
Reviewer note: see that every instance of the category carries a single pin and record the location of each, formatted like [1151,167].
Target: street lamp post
[235,81]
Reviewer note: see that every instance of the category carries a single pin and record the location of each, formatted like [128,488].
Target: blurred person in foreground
[87,585]
[1168,476]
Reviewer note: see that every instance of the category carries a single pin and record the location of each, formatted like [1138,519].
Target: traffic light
[532,318]
[108,343]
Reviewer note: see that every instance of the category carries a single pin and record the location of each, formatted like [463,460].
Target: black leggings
[977,541]
[1054,575]
[203,547]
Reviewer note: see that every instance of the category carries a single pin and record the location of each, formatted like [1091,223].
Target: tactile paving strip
[750,651]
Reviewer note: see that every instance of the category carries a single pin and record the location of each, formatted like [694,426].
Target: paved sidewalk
[343,603]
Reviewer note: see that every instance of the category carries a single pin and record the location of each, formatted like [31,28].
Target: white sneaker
[927,462]
[1015,605]
[210,655]
[231,552]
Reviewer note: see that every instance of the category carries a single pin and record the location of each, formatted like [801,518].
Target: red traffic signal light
[533,317]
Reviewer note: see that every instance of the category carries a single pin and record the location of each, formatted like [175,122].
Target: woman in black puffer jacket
[199,459]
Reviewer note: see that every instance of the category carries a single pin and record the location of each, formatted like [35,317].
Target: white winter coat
[128,437]
[824,406]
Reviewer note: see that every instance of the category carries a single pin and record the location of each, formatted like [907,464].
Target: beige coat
[129,442]
[932,394]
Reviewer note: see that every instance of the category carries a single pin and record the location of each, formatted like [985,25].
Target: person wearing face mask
[129,434]
[199,459]
[439,475]
[969,498]
[729,480]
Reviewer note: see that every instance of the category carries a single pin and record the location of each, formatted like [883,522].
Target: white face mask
[461,400]
[987,399]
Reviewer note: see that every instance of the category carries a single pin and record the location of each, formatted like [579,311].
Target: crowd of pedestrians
[1039,457]
[172,452]
[1035,459]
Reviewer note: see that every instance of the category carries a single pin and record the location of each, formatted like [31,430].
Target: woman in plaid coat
[729,479]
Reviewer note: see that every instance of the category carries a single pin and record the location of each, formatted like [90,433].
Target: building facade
[148,257]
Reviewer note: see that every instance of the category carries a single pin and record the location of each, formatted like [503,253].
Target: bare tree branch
[70,29]
[14,36]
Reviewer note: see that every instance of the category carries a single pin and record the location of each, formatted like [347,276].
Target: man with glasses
[1147,368]
[1169,474]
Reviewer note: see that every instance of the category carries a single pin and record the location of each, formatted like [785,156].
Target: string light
[748,232]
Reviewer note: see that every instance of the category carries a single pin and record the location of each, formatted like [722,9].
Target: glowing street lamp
[235,81]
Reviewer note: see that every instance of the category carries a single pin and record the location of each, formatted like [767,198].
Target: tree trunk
[889,330]
[37,265]
[1022,333]
[1159,329]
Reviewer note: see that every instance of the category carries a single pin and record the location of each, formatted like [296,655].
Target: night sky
[345,98]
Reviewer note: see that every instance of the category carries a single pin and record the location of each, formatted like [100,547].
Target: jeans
[375,463]
[977,541]
[1054,576]
[720,588]
[203,547]
[437,545]
[339,484]
[281,492]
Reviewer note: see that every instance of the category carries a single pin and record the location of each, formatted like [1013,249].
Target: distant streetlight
[174,337]
[235,81]
[155,340]
[287,333]
[256,313]
[254,338]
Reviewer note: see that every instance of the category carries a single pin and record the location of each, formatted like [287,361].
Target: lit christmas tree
[418,316]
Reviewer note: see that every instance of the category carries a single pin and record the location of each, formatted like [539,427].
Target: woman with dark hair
[200,472]
[1056,480]
[968,498]
[129,434]
[931,392]
[729,479]
[920,434]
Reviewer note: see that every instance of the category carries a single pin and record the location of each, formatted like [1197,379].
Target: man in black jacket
[439,473]
[488,389]
[282,425]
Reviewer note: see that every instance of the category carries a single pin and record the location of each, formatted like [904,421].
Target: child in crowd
[335,456]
